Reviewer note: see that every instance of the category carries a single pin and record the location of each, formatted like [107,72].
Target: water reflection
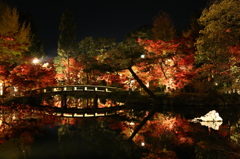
[211,124]
[166,135]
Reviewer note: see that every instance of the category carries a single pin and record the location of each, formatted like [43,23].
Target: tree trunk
[149,92]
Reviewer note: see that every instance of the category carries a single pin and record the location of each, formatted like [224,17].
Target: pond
[168,134]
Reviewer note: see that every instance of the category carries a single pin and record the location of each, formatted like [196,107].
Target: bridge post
[63,101]
[95,101]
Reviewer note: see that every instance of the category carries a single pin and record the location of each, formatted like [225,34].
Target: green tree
[220,33]
[95,46]
[163,27]
[92,52]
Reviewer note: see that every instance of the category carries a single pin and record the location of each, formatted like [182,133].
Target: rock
[212,116]
[211,120]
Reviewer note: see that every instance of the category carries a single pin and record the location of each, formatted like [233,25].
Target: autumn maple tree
[171,62]
[30,76]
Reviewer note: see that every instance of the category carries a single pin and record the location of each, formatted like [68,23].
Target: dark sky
[103,18]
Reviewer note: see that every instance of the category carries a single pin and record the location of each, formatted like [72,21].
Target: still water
[168,134]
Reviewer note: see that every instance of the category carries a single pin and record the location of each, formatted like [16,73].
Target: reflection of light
[89,115]
[67,115]
[98,114]
[1,89]
[210,116]
[131,123]
[143,56]
[213,125]
[142,144]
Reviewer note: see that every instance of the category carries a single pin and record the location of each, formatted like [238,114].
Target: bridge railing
[78,88]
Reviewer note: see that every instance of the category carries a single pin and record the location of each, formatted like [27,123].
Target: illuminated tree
[76,74]
[123,57]
[14,36]
[91,53]
[29,76]
[221,32]
[171,62]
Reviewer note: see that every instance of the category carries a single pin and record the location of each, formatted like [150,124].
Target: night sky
[103,18]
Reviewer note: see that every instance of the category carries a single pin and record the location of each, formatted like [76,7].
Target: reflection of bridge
[77,100]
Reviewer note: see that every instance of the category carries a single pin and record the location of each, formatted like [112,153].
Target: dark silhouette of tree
[66,43]
[36,48]
[163,27]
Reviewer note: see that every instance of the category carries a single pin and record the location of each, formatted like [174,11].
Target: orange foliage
[29,76]
[171,62]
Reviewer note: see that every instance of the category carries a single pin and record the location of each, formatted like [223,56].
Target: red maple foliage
[29,76]
[171,62]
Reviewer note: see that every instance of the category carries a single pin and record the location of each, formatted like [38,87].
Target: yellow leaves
[8,20]
[14,36]
[221,30]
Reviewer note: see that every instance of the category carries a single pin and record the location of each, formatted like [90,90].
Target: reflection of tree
[169,135]
[94,136]
[235,132]
[22,121]
[15,148]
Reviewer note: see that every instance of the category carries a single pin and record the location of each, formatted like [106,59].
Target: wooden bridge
[78,88]
[75,100]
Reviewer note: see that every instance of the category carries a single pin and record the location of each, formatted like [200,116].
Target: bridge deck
[93,108]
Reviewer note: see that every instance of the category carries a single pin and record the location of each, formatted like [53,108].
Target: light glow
[143,56]
[132,123]
[35,61]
